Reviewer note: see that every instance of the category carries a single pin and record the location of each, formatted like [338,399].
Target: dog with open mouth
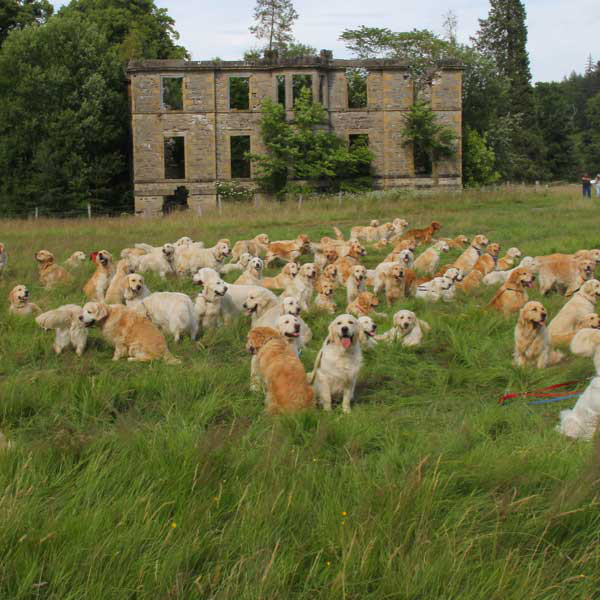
[209,304]
[356,283]
[96,287]
[324,300]
[282,279]
[338,363]
[289,327]
[277,366]
[367,332]
[406,328]
[19,302]
[532,341]
[564,325]
[512,295]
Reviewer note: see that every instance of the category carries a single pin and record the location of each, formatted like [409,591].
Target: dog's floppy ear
[11,295]
[333,334]
[101,311]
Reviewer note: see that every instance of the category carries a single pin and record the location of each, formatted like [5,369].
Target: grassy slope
[153,481]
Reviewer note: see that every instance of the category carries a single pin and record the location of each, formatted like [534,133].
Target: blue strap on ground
[549,400]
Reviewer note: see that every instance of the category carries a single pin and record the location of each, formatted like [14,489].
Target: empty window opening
[422,162]
[281,90]
[299,83]
[175,157]
[177,202]
[357,87]
[240,163]
[172,93]
[239,93]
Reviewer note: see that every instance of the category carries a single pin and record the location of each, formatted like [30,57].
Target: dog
[240,265]
[532,341]
[70,331]
[366,332]
[158,260]
[232,304]
[135,288]
[267,315]
[395,284]
[424,235]
[303,285]
[3,259]
[19,302]
[253,273]
[325,257]
[355,284]
[49,272]
[508,260]
[328,275]
[171,312]
[262,308]
[580,422]
[466,261]
[208,304]
[289,327]
[257,246]
[471,281]
[564,325]
[373,234]
[512,295]
[96,287]
[430,259]
[460,241]
[324,300]
[76,259]
[345,263]
[189,259]
[496,277]
[376,277]
[115,294]
[283,279]
[439,288]
[407,329]
[405,256]
[566,275]
[487,262]
[287,250]
[338,363]
[585,341]
[133,335]
[363,305]
[287,390]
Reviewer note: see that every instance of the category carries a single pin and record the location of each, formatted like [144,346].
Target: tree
[274,20]
[431,141]
[16,14]
[60,124]
[478,160]
[302,151]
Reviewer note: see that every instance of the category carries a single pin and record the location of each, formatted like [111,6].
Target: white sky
[561,32]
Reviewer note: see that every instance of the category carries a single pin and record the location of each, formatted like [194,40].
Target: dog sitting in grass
[407,329]
[19,302]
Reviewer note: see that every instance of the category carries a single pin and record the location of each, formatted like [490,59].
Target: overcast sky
[561,32]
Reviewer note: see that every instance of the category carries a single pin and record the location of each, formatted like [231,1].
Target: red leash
[541,393]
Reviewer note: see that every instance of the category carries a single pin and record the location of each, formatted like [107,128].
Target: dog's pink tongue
[346,342]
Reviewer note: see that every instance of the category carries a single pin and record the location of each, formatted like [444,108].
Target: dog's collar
[478,250]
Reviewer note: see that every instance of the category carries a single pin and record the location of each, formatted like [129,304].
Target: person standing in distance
[586,183]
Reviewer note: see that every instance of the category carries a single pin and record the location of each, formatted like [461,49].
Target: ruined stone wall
[206,122]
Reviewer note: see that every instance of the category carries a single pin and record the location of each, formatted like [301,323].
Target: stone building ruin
[192,121]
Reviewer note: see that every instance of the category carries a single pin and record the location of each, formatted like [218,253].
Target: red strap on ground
[539,393]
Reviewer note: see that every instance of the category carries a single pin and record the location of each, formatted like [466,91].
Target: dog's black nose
[297,328]
[344,329]
[81,318]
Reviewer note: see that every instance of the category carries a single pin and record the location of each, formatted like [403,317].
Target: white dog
[302,286]
[253,273]
[500,277]
[439,288]
[581,420]
[189,259]
[356,283]
[157,260]
[170,311]
[367,331]
[75,260]
[407,329]
[289,326]
[68,326]
[240,265]
[338,363]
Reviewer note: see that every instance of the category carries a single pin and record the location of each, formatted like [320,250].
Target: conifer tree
[273,22]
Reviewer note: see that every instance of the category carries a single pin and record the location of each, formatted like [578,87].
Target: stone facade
[206,122]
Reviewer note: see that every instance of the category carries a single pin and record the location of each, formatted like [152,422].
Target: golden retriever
[19,302]
[283,279]
[257,246]
[509,259]
[564,325]
[70,331]
[395,284]
[115,294]
[327,256]
[96,287]
[532,341]
[471,255]
[287,250]
[355,284]
[367,332]
[424,235]
[303,285]
[253,273]
[565,274]
[324,300]
[287,390]
[328,275]
[344,265]
[586,342]
[487,262]
[459,242]
[76,259]
[49,272]
[208,304]
[338,363]
[363,305]
[512,295]
[132,335]
[406,329]
[429,260]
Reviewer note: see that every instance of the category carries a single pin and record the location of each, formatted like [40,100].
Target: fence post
[340,198]
[219,203]
[300,198]
[89,210]
[37,213]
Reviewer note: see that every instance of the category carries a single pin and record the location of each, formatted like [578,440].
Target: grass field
[134,481]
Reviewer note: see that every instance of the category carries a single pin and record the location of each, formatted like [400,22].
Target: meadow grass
[135,481]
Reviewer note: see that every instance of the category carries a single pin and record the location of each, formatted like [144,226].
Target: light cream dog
[132,335]
[406,329]
[158,260]
[289,327]
[240,265]
[587,339]
[19,302]
[303,285]
[135,288]
[76,259]
[532,342]
[564,325]
[338,363]
[263,308]
[466,261]
[253,273]
[366,332]
[209,304]
[496,277]
[189,259]
[439,288]
[355,284]
[257,246]
[70,331]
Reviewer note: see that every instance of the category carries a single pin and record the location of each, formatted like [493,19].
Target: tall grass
[157,481]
